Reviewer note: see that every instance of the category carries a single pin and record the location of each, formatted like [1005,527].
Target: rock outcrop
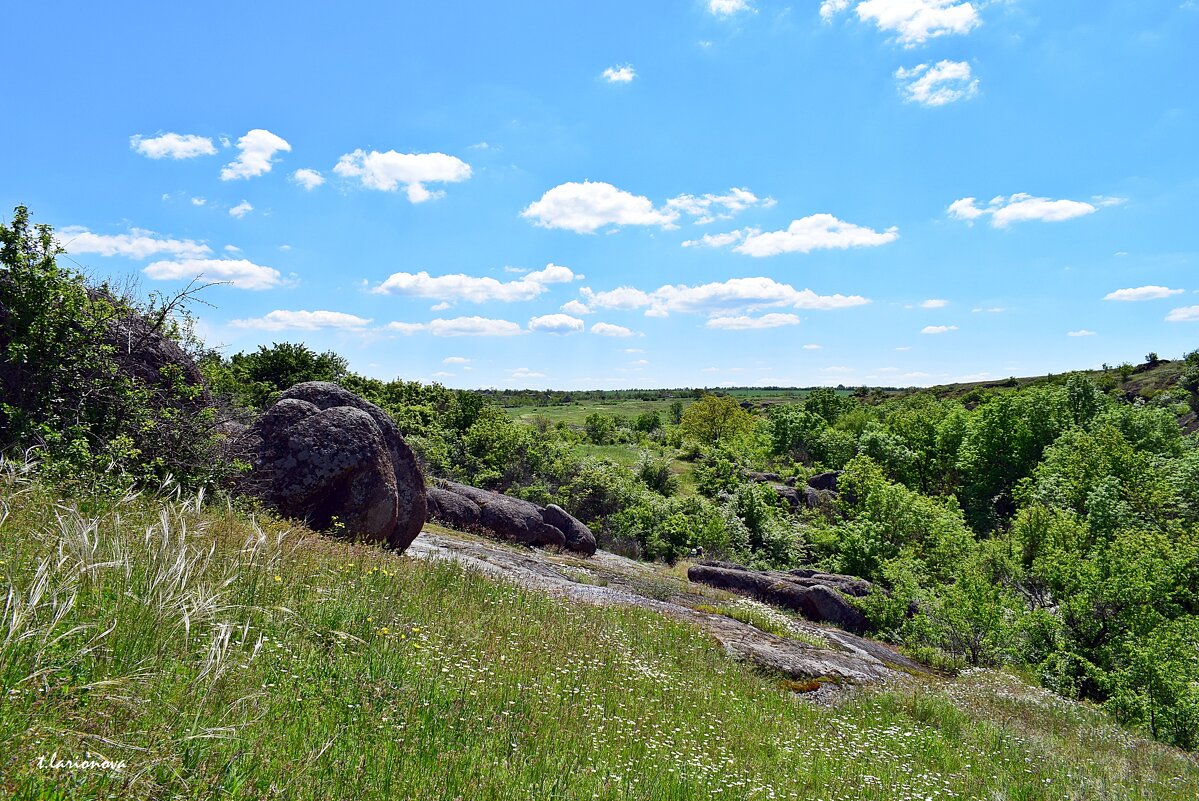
[508,518]
[819,597]
[325,455]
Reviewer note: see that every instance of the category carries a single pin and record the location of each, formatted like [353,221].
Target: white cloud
[812,347]
[1082,332]
[937,329]
[257,150]
[391,170]
[1185,314]
[588,206]
[912,21]
[709,208]
[240,273]
[633,350]
[815,232]
[745,323]
[309,179]
[714,240]
[198,201]
[172,146]
[455,360]
[232,249]
[831,8]
[1022,207]
[727,8]
[575,307]
[591,205]
[1150,292]
[280,320]
[623,73]
[556,324]
[521,373]
[934,303]
[472,289]
[241,209]
[610,330]
[137,244]
[715,299]
[943,83]
[460,327]
[991,310]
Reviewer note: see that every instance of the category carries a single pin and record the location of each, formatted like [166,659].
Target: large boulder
[820,597]
[505,517]
[578,537]
[325,455]
[825,481]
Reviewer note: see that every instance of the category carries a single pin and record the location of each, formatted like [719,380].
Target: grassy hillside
[221,654]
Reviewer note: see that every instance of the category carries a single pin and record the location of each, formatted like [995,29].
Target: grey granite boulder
[820,597]
[324,455]
[466,507]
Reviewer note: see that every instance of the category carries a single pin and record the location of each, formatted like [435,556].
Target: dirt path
[608,579]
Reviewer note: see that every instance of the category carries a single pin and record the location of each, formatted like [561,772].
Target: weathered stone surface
[326,456]
[763,478]
[825,481]
[578,537]
[513,518]
[450,507]
[409,481]
[819,597]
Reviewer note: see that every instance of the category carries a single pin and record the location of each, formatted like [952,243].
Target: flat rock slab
[847,659]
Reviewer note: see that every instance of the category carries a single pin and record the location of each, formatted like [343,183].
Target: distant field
[575,413]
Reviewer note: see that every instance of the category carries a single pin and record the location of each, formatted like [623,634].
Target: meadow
[219,652]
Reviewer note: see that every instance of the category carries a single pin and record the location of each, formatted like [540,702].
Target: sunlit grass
[226,656]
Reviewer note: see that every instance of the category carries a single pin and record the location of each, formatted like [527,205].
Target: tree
[716,419]
[256,379]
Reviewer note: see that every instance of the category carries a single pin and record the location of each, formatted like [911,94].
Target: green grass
[222,655]
[576,413]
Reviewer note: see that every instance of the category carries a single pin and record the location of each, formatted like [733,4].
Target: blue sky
[631,194]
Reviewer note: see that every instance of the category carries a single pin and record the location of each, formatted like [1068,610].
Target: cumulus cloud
[241,209]
[745,322]
[256,154]
[1150,292]
[623,73]
[460,327]
[812,347]
[709,208]
[1022,207]
[281,320]
[912,22]
[1082,332]
[472,289]
[240,273]
[588,206]
[309,179]
[714,240]
[815,232]
[137,244]
[934,303]
[990,310]
[556,324]
[718,298]
[591,205]
[727,8]
[1185,314]
[575,307]
[389,171]
[172,146]
[937,329]
[937,85]
[610,330]
[455,360]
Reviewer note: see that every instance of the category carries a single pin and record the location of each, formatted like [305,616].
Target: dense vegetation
[1051,525]
[223,655]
